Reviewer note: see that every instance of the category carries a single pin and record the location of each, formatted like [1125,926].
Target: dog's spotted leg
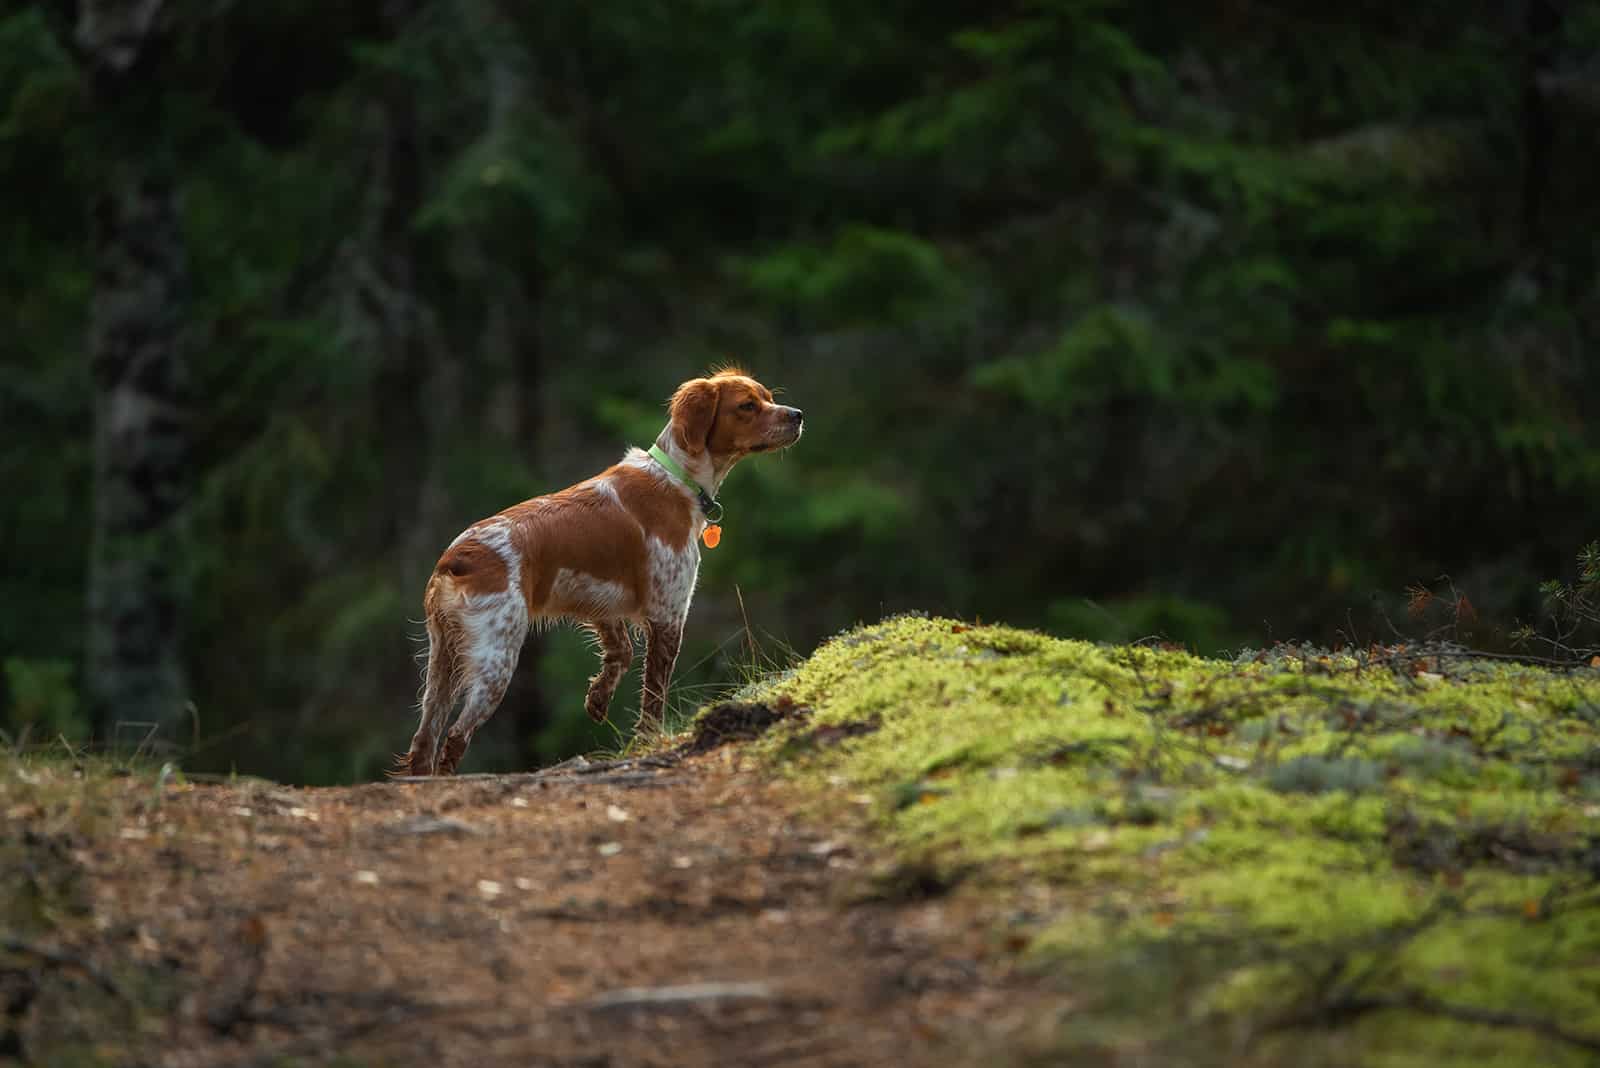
[493,635]
[616,652]
[484,695]
[438,695]
[660,656]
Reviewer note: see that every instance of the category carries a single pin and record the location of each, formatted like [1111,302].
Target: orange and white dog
[619,548]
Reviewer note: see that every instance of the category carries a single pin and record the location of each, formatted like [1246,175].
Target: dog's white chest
[672,577]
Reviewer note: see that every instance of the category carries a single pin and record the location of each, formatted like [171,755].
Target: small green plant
[1571,627]
[43,701]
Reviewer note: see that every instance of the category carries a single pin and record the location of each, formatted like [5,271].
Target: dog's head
[730,415]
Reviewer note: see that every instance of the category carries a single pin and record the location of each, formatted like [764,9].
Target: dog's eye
[748,406]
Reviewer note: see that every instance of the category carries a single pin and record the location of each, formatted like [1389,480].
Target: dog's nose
[797,415]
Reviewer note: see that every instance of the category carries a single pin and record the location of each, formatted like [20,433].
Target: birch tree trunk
[133,664]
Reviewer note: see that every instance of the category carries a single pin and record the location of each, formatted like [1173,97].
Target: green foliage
[866,275]
[1232,326]
[1260,846]
[1571,624]
[44,699]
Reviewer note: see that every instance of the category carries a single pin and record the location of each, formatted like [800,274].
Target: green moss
[1255,843]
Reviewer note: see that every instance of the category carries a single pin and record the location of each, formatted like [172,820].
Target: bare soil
[645,912]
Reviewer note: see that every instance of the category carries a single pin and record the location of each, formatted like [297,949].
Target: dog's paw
[407,765]
[455,747]
[597,709]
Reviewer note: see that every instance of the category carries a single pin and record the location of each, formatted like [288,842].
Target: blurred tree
[133,665]
[1214,321]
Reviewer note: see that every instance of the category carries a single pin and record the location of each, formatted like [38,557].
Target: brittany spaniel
[619,548]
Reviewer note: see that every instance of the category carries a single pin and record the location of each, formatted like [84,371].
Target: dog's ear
[694,412]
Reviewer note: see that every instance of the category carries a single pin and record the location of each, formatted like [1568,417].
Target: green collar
[710,507]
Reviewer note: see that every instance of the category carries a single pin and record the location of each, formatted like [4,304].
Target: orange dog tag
[711,536]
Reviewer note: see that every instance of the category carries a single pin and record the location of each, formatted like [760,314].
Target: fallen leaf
[489,888]
[617,815]
[367,878]
[610,849]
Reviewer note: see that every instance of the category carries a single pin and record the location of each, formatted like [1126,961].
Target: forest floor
[929,843]
[663,912]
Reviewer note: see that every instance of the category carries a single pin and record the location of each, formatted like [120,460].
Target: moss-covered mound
[1383,859]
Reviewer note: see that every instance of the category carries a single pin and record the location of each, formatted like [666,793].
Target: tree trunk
[510,346]
[133,667]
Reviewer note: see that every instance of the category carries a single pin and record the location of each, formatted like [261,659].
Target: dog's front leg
[616,653]
[661,654]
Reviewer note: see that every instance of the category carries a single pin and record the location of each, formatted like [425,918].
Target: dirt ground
[646,912]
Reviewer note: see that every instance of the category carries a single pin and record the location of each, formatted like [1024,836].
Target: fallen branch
[629,778]
[567,769]
[424,824]
[685,994]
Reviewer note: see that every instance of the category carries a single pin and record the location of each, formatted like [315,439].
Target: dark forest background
[1225,321]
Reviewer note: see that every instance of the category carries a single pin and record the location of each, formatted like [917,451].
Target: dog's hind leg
[493,631]
[439,690]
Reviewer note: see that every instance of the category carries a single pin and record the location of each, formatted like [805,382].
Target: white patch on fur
[495,625]
[578,594]
[495,533]
[637,457]
[604,488]
[673,573]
